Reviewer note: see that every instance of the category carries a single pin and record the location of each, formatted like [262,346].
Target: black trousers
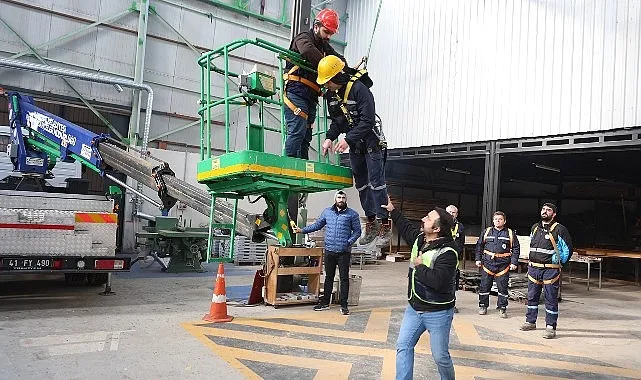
[342,259]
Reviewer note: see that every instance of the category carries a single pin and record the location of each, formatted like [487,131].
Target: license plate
[27,264]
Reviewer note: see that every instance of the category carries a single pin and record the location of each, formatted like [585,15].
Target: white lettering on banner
[34,161]
[45,123]
[85,151]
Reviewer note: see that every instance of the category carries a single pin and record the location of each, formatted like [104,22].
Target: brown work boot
[371,232]
[549,333]
[527,326]
[384,235]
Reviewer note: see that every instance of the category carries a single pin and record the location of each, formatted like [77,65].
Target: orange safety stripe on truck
[96,217]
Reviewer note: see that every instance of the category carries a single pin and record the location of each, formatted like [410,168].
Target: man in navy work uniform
[497,252]
[343,227]
[550,247]
[430,290]
[358,122]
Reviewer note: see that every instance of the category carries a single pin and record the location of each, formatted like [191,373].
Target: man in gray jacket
[343,228]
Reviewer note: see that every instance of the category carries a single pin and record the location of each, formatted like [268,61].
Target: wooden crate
[274,271]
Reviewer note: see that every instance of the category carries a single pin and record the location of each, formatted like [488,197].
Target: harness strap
[498,274]
[296,110]
[297,78]
[544,282]
[493,255]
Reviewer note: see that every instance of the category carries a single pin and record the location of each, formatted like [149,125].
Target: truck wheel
[75,279]
[97,279]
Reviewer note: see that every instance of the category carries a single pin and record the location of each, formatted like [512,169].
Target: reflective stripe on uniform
[543,250]
[551,312]
[539,265]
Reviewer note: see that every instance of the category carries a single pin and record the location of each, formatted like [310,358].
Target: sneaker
[371,232]
[482,310]
[344,311]
[455,309]
[527,326]
[321,307]
[549,333]
[384,235]
[502,313]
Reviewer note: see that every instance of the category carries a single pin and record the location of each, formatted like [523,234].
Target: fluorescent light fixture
[452,170]
[545,167]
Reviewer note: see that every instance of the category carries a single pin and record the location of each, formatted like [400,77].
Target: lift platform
[257,170]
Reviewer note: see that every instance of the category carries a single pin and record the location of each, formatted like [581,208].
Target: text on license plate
[28,263]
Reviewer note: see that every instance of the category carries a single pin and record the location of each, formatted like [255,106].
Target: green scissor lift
[236,174]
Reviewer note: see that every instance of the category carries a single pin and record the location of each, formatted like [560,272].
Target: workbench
[589,260]
[613,253]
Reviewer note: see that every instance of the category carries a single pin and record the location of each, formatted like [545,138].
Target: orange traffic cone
[218,308]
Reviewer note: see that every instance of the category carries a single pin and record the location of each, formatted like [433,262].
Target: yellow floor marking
[317,317]
[378,324]
[327,369]
[546,363]
[468,335]
[222,351]
[389,365]
[290,342]
[377,336]
[376,330]
[471,373]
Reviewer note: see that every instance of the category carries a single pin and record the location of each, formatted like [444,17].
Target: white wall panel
[465,71]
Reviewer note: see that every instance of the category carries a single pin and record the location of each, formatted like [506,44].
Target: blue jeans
[438,324]
[369,179]
[299,131]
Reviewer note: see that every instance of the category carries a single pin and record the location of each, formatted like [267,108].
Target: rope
[380,3]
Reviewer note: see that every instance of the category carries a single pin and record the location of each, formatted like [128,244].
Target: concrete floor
[152,329]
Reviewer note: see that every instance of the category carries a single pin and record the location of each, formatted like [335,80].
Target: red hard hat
[329,19]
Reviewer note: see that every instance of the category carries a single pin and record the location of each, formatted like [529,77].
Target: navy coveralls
[544,271]
[496,254]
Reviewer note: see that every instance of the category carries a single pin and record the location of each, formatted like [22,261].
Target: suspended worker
[301,90]
[550,247]
[497,252]
[352,111]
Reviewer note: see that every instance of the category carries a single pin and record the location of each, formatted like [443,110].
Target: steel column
[490,185]
[139,68]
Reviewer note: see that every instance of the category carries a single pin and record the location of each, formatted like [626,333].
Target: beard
[341,205]
[546,218]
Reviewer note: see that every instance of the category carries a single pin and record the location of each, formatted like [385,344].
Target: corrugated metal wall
[449,71]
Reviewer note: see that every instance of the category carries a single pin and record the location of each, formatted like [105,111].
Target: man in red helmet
[301,89]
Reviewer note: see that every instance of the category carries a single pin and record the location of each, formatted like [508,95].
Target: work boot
[384,235]
[502,313]
[482,310]
[549,333]
[371,232]
[344,310]
[527,326]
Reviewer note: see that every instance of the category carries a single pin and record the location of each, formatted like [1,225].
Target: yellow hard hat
[328,67]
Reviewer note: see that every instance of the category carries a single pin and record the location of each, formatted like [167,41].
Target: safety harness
[492,254]
[495,255]
[539,265]
[297,78]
